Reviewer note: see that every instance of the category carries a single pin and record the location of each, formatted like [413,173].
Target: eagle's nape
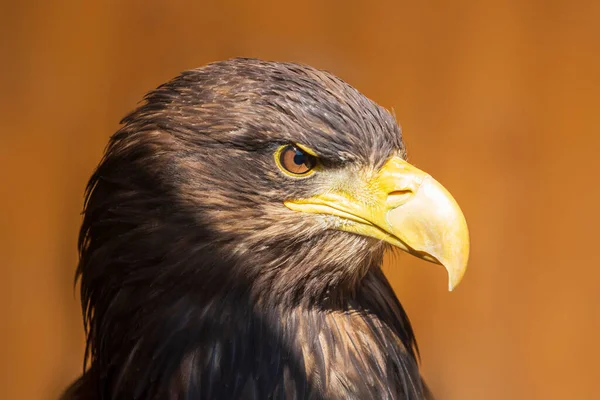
[206,272]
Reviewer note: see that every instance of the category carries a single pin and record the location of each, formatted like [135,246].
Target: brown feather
[198,283]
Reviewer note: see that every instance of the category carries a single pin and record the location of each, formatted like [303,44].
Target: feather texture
[198,283]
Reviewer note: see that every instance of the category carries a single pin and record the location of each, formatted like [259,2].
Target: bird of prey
[233,236]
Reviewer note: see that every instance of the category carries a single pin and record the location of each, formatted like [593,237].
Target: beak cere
[407,208]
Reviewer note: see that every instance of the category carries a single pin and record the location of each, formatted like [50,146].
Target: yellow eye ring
[295,161]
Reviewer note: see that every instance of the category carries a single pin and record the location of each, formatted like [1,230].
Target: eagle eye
[294,161]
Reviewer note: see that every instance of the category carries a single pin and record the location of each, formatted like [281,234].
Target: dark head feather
[196,280]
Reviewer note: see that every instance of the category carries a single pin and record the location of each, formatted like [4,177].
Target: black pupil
[301,158]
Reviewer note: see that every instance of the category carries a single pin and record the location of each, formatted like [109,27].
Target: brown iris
[296,161]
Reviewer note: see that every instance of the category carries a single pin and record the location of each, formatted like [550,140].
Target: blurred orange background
[498,100]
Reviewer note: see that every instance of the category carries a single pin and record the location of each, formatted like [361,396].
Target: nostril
[400,192]
[398,197]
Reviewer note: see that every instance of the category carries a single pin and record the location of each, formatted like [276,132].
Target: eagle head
[272,183]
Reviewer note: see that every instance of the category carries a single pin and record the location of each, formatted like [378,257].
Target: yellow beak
[405,207]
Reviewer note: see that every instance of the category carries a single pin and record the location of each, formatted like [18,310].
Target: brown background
[498,100]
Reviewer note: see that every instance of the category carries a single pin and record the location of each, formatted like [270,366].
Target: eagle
[232,241]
